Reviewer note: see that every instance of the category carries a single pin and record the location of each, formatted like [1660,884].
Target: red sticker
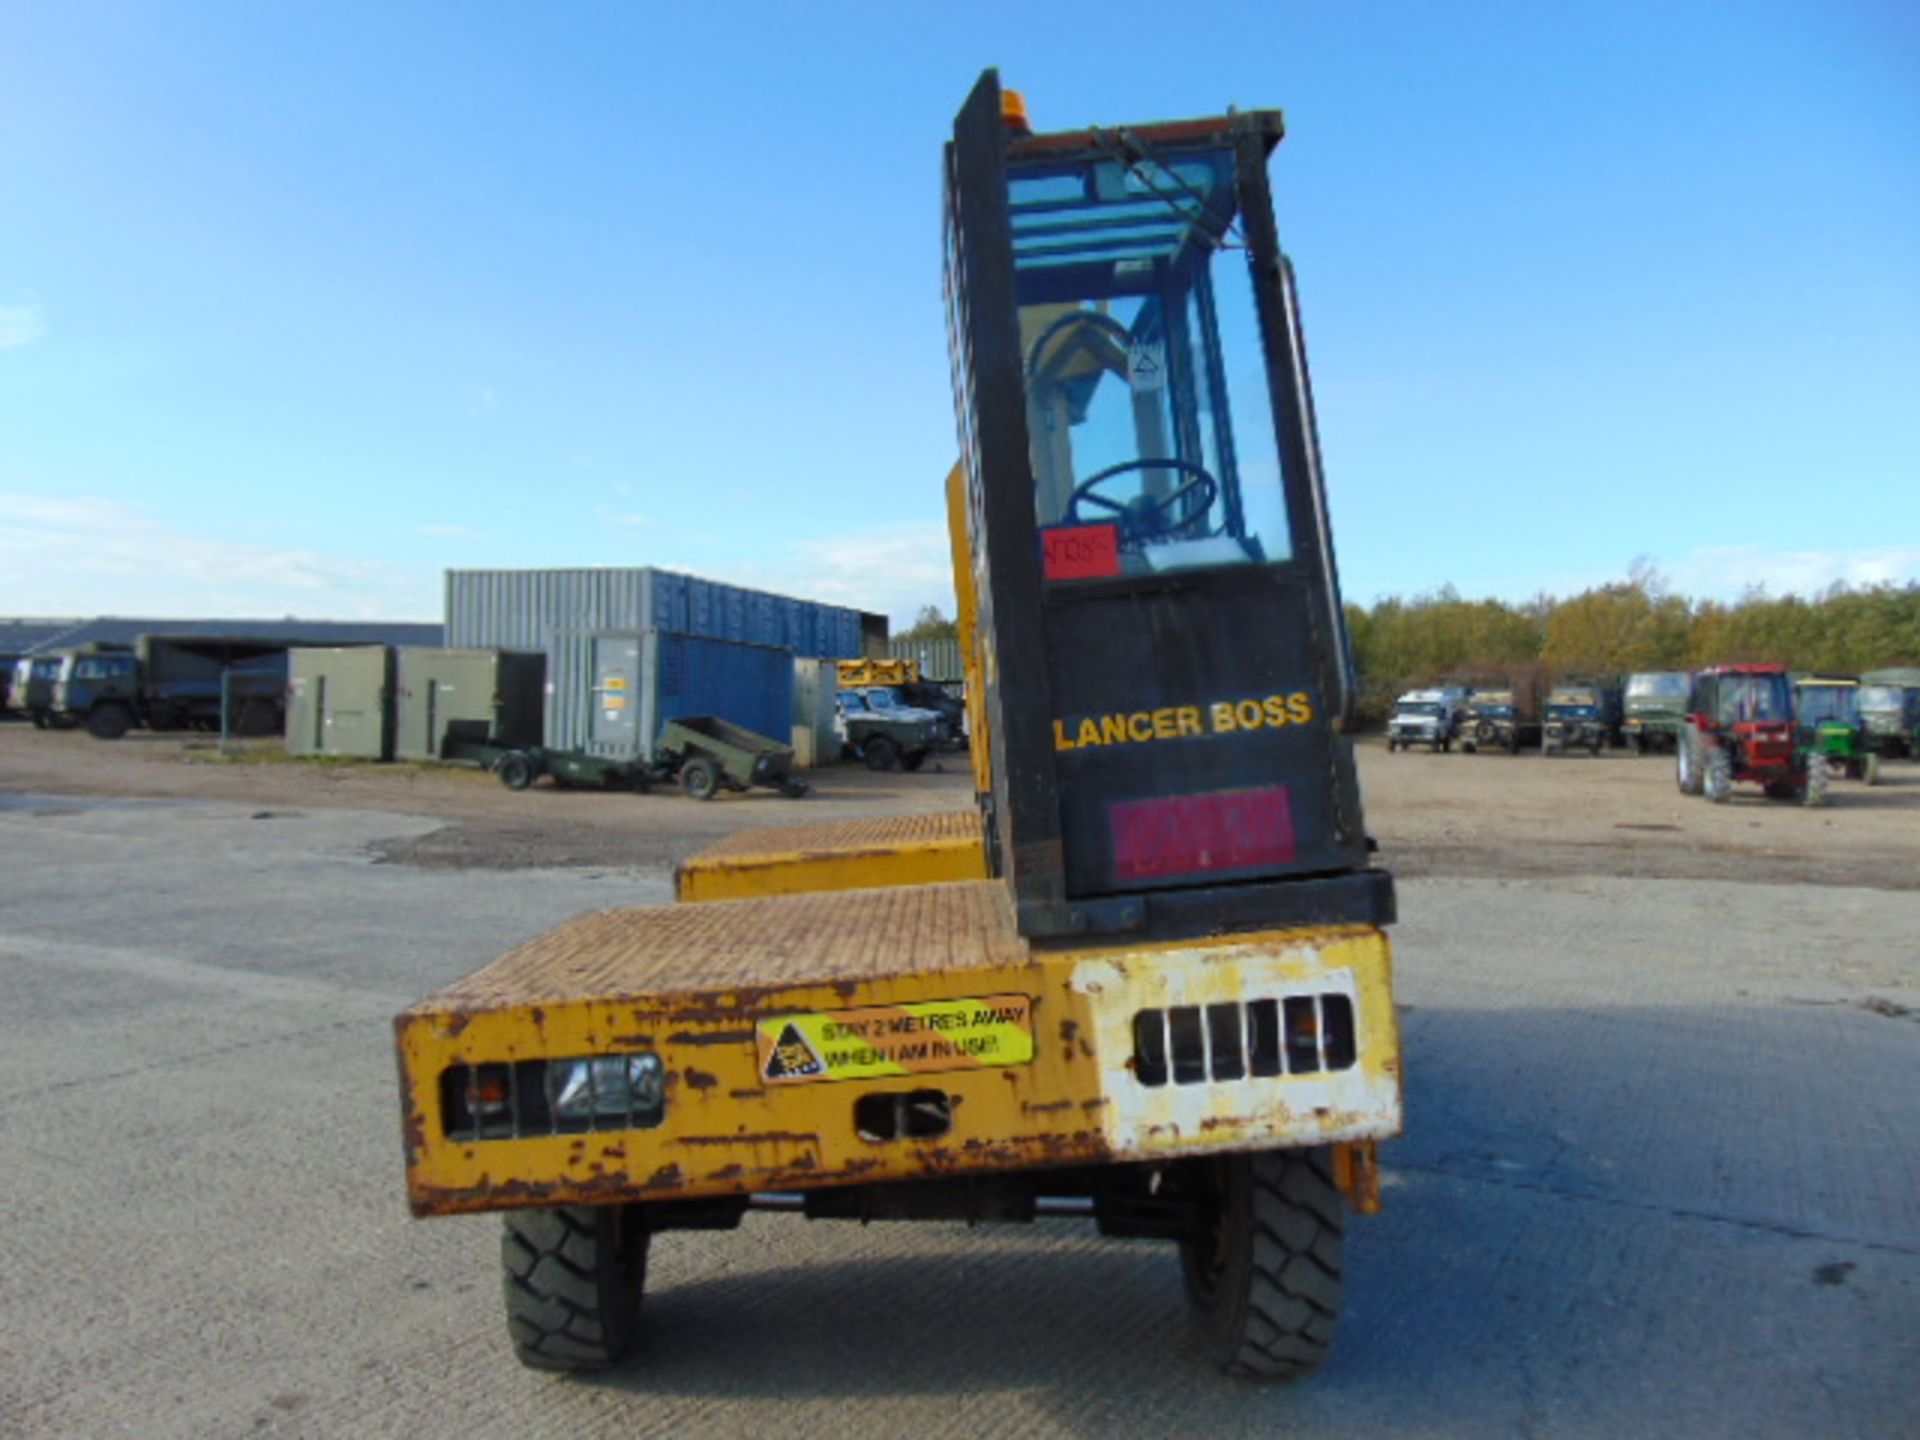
[1200,834]
[1081,552]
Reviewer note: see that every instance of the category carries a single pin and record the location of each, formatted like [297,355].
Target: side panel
[737,1119]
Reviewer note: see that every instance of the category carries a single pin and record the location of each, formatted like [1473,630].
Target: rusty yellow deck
[773,1019]
[745,946]
[848,855]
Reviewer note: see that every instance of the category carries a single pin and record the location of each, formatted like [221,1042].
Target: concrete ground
[1660,1174]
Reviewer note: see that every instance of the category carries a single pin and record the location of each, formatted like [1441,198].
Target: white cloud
[20,325]
[1725,572]
[621,519]
[98,557]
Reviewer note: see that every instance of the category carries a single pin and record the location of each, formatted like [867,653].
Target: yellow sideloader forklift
[1146,983]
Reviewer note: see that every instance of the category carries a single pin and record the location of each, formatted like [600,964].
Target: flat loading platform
[847,855]
[746,947]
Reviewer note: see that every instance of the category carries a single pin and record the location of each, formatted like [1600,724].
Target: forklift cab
[1160,642]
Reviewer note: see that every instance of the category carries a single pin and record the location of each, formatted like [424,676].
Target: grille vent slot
[1238,1040]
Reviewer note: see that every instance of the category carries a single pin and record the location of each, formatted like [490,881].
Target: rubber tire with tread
[1716,778]
[700,778]
[515,770]
[880,753]
[1265,1280]
[572,1279]
[1689,762]
[109,722]
[1813,793]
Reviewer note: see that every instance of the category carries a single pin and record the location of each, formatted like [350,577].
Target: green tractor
[1830,728]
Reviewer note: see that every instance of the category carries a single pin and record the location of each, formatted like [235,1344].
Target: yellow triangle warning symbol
[793,1057]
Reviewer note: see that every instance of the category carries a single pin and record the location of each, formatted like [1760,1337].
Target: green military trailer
[703,753]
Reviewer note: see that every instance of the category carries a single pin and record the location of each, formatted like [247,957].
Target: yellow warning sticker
[898,1039]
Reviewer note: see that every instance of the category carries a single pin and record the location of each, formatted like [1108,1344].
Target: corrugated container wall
[524,609]
[444,698]
[609,694]
[940,661]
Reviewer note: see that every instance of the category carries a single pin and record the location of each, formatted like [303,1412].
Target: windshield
[882,700]
[1751,697]
[95,668]
[1419,708]
[1148,410]
[1880,697]
[852,700]
[1659,687]
[1819,703]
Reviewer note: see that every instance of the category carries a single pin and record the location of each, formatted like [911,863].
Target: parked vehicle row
[1835,726]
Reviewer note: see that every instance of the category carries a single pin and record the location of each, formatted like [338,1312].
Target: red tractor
[1739,727]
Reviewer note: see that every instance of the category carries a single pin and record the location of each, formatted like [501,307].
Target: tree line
[1624,627]
[1635,624]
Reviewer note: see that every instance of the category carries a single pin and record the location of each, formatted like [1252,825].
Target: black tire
[572,1280]
[700,778]
[880,753]
[1264,1276]
[1814,785]
[1716,777]
[793,789]
[515,770]
[1689,762]
[109,722]
[913,761]
[39,719]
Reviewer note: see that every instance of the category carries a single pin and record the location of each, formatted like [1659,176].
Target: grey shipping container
[815,684]
[609,694]
[525,609]
[940,661]
[446,698]
[340,702]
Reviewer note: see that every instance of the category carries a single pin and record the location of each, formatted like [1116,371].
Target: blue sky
[301,304]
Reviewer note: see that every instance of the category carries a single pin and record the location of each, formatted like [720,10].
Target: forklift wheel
[1264,1274]
[515,770]
[700,778]
[572,1280]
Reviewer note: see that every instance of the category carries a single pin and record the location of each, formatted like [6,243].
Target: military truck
[1495,718]
[1828,726]
[1655,706]
[1145,981]
[32,691]
[1582,713]
[883,732]
[1890,703]
[175,683]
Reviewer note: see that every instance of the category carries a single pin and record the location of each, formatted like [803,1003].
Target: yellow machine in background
[1145,981]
